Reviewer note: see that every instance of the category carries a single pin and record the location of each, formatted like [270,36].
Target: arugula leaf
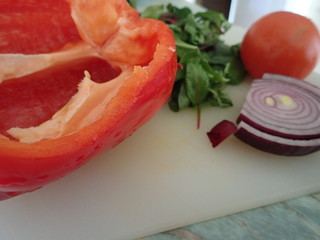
[208,65]
[235,69]
[219,98]
[183,98]
[154,11]
[179,13]
[133,3]
[197,83]
[218,18]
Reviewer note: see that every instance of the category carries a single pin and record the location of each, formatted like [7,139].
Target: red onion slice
[275,144]
[221,131]
[281,115]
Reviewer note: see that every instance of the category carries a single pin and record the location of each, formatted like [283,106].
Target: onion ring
[281,115]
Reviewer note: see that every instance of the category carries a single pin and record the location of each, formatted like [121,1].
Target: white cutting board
[164,176]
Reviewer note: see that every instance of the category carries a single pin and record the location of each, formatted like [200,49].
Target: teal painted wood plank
[307,210]
[296,219]
[316,196]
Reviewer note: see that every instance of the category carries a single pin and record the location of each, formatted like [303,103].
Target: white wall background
[245,12]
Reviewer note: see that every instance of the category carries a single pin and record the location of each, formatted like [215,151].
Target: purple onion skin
[245,119]
[221,131]
[273,147]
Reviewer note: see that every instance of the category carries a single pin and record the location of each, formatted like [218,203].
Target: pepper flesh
[139,55]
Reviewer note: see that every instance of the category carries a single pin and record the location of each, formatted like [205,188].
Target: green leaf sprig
[133,3]
[206,64]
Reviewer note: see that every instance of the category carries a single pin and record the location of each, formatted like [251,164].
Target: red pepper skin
[25,167]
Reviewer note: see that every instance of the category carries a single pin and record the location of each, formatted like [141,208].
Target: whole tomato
[282,43]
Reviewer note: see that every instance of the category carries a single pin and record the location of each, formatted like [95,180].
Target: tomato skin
[25,167]
[282,43]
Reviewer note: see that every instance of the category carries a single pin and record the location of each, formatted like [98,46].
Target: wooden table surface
[296,219]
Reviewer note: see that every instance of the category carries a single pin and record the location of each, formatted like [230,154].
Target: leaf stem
[198,116]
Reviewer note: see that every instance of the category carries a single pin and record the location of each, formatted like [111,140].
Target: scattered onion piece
[221,131]
[281,115]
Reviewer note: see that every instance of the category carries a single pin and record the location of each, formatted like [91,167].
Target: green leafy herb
[133,3]
[207,64]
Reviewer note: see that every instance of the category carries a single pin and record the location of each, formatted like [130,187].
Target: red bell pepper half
[76,78]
